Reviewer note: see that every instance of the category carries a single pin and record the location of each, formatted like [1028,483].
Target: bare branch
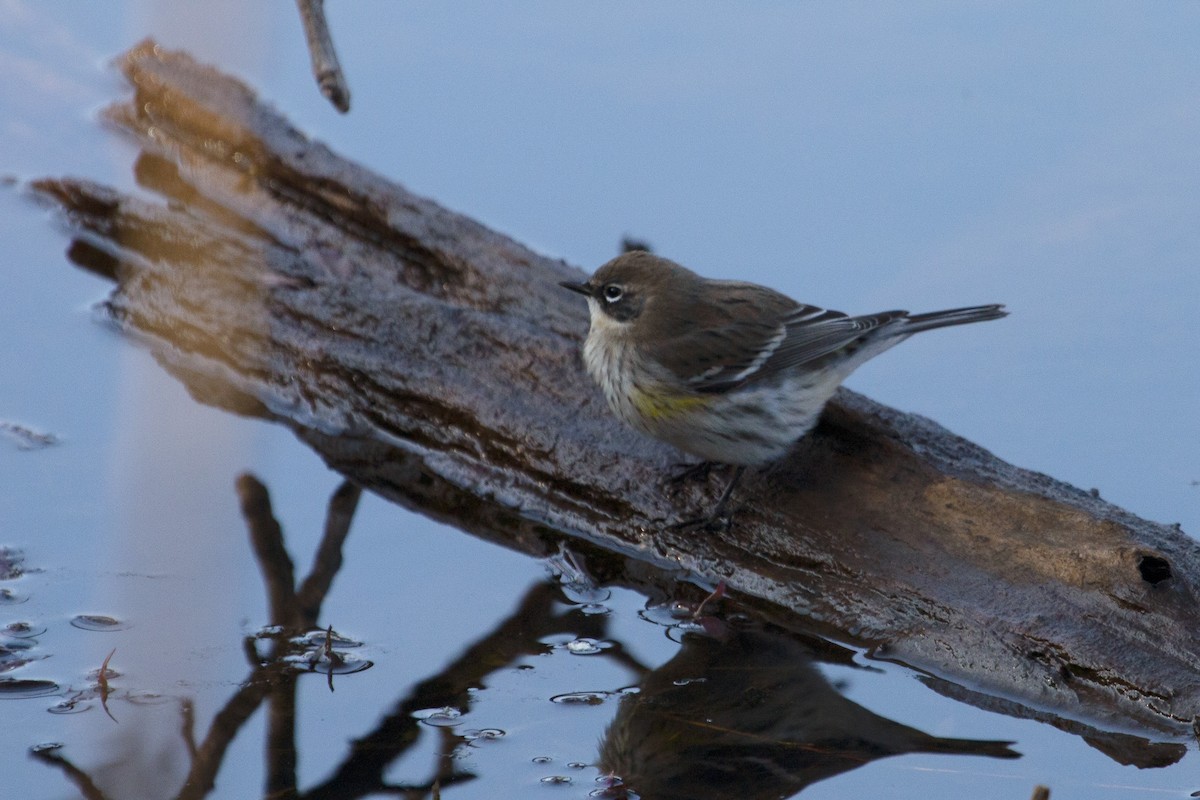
[325,66]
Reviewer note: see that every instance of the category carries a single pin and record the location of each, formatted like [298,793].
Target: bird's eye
[613,292]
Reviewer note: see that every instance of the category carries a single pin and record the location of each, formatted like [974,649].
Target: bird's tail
[916,323]
[969,747]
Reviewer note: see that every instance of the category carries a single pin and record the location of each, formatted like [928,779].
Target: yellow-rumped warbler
[729,371]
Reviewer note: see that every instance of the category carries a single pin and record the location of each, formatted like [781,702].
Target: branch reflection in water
[736,708]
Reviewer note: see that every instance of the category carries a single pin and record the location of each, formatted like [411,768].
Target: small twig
[325,66]
[102,680]
[716,594]
[329,655]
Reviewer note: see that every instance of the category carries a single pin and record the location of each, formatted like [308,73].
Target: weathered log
[437,363]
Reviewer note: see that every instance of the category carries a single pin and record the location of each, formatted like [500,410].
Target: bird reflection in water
[747,712]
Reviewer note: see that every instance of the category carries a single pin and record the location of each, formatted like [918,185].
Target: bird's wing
[748,348]
[813,334]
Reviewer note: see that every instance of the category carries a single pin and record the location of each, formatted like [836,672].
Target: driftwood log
[436,362]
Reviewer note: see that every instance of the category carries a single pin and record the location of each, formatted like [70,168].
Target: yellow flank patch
[660,406]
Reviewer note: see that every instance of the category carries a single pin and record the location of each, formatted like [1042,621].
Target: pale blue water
[862,156]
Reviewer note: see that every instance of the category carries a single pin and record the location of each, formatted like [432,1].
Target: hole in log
[1154,569]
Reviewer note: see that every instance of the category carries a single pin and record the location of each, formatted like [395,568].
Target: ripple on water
[22,630]
[10,598]
[586,647]
[20,688]
[71,706]
[98,622]
[580,698]
[668,614]
[444,717]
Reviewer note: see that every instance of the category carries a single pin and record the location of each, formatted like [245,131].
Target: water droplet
[556,780]
[542,759]
[98,622]
[445,717]
[580,698]
[17,688]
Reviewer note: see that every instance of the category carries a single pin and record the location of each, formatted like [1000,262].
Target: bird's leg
[685,474]
[719,511]
[716,519]
[692,472]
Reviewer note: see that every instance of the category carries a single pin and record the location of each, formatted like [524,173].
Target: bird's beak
[582,288]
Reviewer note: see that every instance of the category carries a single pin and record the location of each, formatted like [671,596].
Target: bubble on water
[74,706]
[444,717]
[614,791]
[580,698]
[22,630]
[321,638]
[556,780]
[484,735]
[676,632]
[98,622]
[317,661]
[577,765]
[613,788]
[667,614]
[595,609]
[10,598]
[342,665]
[541,759]
[581,593]
[21,688]
[586,647]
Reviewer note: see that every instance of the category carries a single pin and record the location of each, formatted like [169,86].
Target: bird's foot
[713,523]
[717,520]
[686,473]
